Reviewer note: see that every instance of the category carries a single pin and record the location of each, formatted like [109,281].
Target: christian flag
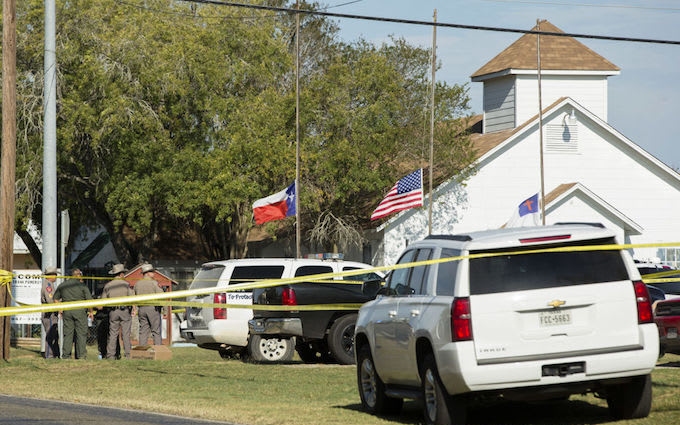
[407,193]
[526,213]
[275,207]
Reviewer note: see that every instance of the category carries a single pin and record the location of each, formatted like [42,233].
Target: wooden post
[7,161]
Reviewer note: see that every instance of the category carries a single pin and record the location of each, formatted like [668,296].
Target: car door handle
[392,314]
[415,313]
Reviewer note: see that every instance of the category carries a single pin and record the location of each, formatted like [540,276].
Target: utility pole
[297,129]
[8,160]
[541,201]
[433,82]
[49,213]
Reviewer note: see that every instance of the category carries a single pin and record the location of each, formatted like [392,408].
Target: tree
[365,121]
[174,118]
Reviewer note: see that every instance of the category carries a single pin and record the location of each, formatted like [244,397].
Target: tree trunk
[33,248]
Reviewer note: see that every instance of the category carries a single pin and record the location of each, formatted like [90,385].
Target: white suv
[226,329]
[498,320]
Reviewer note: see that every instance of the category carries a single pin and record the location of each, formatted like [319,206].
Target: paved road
[20,410]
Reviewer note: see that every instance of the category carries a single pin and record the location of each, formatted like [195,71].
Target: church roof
[561,53]
[485,142]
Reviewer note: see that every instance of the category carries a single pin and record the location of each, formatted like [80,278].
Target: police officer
[50,320]
[120,317]
[149,316]
[75,321]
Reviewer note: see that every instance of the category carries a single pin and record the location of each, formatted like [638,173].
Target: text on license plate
[555,318]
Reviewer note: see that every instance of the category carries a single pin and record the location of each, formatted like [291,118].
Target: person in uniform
[75,321]
[149,316]
[50,320]
[120,317]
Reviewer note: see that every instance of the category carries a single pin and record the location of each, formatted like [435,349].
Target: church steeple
[568,69]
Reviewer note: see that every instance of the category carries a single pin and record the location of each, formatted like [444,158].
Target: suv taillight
[219,313]
[461,320]
[644,302]
[288,297]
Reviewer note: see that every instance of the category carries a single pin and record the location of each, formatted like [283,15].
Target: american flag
[407,193]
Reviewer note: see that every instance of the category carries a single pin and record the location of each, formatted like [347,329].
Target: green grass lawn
[198,383]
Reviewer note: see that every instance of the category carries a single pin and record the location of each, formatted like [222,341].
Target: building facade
[585,170]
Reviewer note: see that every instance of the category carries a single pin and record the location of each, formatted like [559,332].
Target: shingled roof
[557,53]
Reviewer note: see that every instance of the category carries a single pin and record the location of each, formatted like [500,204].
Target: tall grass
[198,383]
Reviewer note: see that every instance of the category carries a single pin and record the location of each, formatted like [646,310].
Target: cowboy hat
[147,268]
[117,269]
[51,270]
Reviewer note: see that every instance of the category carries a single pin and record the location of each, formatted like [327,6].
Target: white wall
[644,191]
[589,91]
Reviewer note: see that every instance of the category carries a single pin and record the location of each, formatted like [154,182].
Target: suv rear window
[518,272]
[207,277]
[244,274]
[313,270]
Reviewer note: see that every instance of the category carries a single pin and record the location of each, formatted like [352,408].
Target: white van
[226,329]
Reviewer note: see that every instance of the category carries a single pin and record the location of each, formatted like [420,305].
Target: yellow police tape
[165,297]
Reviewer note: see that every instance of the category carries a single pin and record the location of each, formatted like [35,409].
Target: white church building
[590,171]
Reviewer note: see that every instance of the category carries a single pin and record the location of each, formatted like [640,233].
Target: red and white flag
[275,207]
[407,193]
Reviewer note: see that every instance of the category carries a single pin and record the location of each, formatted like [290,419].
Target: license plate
[555,318]
[672,333]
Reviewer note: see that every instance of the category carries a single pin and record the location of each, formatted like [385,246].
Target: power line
[437,24]
[341,4]
[570,4]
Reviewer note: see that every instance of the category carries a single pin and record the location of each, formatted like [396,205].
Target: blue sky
[644,99]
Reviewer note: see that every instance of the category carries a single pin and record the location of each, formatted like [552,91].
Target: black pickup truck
[322,334]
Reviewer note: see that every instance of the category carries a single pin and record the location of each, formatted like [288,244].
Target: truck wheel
[372,388]
[438,406]
[632,400]
[341,339]
[270,349]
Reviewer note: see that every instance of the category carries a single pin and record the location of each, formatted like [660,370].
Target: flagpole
[297,129]
[434,62]
[540,119]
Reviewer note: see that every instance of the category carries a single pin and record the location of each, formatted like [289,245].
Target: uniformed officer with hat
[149,316]
[120,317]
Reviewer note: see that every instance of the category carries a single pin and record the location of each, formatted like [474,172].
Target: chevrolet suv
[529,313]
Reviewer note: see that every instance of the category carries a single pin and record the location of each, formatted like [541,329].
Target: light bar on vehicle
[545,239]
[326,256]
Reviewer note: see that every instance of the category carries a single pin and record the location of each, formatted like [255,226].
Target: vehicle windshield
[516,271]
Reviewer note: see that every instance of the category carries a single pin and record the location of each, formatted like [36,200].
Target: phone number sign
[26,286]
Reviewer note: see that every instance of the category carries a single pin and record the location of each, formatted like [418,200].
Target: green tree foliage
[173,118]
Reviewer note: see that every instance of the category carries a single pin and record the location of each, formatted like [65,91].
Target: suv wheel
[631,400]
[372,388]
[438,406]
[341,339]
[270,349]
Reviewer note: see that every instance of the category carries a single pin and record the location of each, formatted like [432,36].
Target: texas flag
[275,207]
[526,213]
